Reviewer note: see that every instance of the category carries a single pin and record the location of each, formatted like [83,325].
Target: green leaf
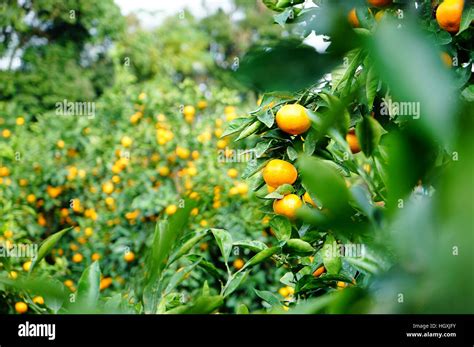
[179,276]
[46,246]
[291,152]
[299,246]
[164,238]
[281,226]
[417,77]
[285,189]
[236,125]
[187,245]
[468,93]
[242,309]
[282,17]
[467,18]
[310,142]
[224,241]
[369,132]
[234,282]
[254,166]
[260,257]
[253,245]
[206,265]
[286,66]
[332,262]
[6,151]
[324,181]
[89,286]
[201,305]
[262,147]
[267,118]
[249,130]
[371,85]
[268,297]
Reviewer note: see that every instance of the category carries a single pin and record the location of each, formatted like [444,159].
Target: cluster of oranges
[448,13]
[294,120]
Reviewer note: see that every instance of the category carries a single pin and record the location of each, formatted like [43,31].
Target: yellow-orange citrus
[238,263]
[278,172]
[189,111]
[353,142]
[307,199]
[171,209]
[129,257]
[319,271]
[447,60]
[449,14]
[380,3]
[39,300]
[21,307]
[288,205]
[77,258]
[352,17]
[293,119]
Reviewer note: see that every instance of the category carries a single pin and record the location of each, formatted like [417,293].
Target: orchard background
[227,163]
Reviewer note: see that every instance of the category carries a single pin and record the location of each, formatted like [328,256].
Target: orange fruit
[286,291]
[182,153]
[129,257]
[38,300]
[21,307]
[242,188]
[380,3]
[353,142]
[283,292]
[77,258]
[26,265]
[105,283]
[95,256]
[308,199]
[352,17]
[341,284]
[379,15]
[108,187]
[171,209]
[288,205]
[232,173]
[126,141]
[238,263]
[447,60]
[319,271]
[278,172]
[164,171]
[293,119]
[202,104]
[189,111]
[449,14]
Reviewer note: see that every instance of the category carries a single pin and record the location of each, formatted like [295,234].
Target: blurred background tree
[55,50]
